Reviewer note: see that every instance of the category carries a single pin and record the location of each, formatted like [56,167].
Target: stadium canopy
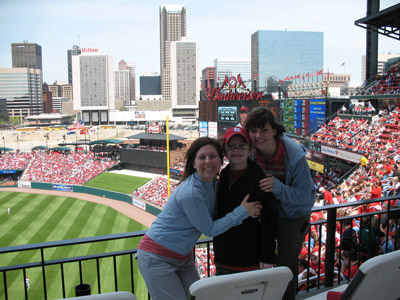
[385,22]
[39,148]
[106,142]
[4,149]
[77,143]
[60,149]
[155,137]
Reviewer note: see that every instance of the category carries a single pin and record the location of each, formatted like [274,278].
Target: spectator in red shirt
[327,195]
[350,263]
[376,189]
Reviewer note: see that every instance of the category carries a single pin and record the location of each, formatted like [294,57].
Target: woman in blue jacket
[165,255]
[288,178]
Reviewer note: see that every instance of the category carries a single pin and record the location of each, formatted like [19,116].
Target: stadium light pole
[17,143]
[47,138]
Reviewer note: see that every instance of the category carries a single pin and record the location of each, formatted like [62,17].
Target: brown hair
[259,117]
[190,155]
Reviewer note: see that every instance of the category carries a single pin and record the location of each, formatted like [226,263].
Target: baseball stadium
[73,211]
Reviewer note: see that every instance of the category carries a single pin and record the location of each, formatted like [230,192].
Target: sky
[129,30]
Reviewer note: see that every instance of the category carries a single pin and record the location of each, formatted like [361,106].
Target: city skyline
[129,30]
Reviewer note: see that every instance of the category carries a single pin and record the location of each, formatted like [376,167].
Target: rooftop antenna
[79,41]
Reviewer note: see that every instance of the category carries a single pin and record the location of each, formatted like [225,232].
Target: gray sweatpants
[166,278]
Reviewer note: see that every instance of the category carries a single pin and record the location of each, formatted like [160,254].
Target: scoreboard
[216,117]
[303,116]
[298,116]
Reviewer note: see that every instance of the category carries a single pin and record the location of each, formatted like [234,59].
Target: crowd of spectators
[388,83]
[15,161]
[106,151]
[202,262]
[359,135]
[147,147]
[358,109]
[68,168]
[156,190]
[372,235]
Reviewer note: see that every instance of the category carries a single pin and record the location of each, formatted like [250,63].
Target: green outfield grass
[39,218]
[117,182]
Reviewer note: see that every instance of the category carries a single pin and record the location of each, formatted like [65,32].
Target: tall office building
[185,78]
[150,85]
[207,81]
[232,67]
[382,59]
[29,56]
[276,55]
[123,86]
[22,88]
[123,65]
[76,50]
[93,82]
[26,55]
[172,28]
[61,89]
[47,102]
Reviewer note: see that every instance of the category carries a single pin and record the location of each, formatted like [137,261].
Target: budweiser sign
[233,88]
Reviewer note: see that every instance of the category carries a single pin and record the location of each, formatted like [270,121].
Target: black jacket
[254,240]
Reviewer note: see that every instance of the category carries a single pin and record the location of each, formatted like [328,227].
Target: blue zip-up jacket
[188,214]
[297,195]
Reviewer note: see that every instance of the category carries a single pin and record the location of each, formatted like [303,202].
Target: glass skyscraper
[279,55]
[22,88]
[232,67]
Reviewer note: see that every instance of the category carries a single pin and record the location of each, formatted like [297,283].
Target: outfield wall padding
[94,191]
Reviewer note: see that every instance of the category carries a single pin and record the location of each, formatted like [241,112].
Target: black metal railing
[330,277]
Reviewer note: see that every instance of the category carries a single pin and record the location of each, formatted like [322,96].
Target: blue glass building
[285,54]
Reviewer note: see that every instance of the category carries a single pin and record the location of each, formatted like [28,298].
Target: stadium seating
[377,278]
[255,285]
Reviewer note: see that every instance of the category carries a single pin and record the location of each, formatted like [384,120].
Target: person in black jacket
[252,244]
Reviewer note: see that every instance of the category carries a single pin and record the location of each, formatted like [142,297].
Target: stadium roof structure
[106,141]
[60,149]
[76,143]
[385,22]
[155,137]
[6,149]
[41,147]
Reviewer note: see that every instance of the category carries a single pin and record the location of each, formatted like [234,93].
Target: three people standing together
[268,179]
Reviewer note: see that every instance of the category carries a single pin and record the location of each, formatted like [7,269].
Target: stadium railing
[327,279]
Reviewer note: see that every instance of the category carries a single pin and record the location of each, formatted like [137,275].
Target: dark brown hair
[190,155]
[259,117]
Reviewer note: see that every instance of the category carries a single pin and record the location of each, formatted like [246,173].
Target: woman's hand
[267,184]
[253,208]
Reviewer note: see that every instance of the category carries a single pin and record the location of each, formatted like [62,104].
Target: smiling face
[207,163]
[264,139]
[237,150]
